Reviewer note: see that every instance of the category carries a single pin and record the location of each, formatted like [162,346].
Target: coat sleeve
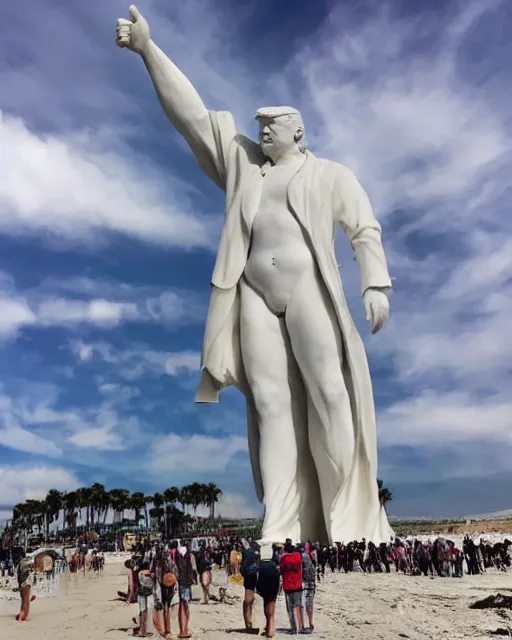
[210,139]
[354,213]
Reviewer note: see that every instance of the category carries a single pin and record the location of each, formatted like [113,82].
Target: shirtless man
[276,284]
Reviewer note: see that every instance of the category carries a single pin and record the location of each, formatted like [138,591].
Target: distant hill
[496,515]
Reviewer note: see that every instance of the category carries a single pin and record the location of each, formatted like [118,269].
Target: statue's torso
[279,252]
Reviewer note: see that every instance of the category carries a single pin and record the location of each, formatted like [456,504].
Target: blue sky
[108,232]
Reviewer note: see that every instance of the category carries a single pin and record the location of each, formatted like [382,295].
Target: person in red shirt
[291,573]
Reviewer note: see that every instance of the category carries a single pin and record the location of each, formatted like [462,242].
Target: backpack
[249,562]
[166,565]
[308,568]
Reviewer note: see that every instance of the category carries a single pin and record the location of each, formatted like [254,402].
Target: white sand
[348,607]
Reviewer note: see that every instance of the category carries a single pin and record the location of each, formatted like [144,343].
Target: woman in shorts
[249,570]
[267,585]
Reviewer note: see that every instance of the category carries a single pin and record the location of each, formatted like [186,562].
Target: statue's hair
[288,112]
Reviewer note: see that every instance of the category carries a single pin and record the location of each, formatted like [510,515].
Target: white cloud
[14,433]
[14,314]
[44,306]
[449,417]
[194,453]
[31,421]
[100,438]
[23,440]
[232,505]
[103,313]
[21,483]
[71,187]
[139,360]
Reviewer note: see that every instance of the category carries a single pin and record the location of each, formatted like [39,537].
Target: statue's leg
[317,346]
[279,399]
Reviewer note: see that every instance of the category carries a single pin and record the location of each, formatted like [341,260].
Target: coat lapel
[251,196]
[297,194]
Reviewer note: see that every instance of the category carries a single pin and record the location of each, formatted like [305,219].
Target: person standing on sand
[249,570]
[234,561]
[204,569]
[267,585]
[24,576]
[185,580]
[144,599]
[164,573]
[291,572]
[308,586]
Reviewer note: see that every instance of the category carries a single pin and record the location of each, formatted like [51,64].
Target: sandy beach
[351,607]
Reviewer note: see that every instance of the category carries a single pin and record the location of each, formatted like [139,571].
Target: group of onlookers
[86,559]
[160,578]
[166,573]
[441,556]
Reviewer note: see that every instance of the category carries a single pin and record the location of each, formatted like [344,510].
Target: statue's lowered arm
[354,214]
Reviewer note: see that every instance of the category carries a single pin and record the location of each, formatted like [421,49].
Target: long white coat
[321,194]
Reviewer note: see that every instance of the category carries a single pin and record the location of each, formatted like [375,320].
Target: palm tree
[158,501]
[137,503]
[37,508]
[196,495]
[171,497]
[184,498]
[53,505]
[23,516]
[97,502]
[147,501]
[385,495]
[84,502]
[119,501]
[212,495]
[70,505]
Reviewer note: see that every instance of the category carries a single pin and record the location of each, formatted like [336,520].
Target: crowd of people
[86,559]
[165,574]
[161,575]
[439,556]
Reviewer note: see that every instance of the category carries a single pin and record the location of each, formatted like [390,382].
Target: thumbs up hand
[134,33]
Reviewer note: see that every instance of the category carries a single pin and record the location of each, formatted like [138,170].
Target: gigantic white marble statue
[278,325]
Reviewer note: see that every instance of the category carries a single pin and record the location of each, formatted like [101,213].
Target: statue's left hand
[376,304]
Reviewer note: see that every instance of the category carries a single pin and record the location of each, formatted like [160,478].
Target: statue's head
[281,131]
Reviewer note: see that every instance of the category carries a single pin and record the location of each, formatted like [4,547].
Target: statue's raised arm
[179,99]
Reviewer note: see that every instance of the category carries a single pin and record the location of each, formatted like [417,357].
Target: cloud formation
[197,453]
[21,483]
[81,191]
[102,304]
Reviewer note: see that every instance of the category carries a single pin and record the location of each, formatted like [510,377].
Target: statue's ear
[299,134]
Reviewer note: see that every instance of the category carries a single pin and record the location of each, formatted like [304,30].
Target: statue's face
[278,135]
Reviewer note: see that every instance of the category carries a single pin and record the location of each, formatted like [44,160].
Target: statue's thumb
[134,13]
